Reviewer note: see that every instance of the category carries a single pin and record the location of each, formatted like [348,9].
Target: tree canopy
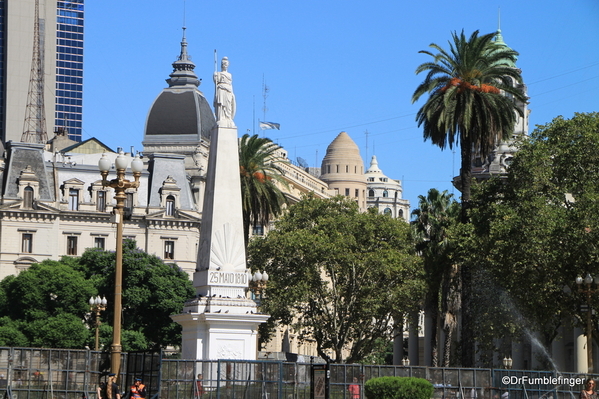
[534,232]
[338,276]
[47,304]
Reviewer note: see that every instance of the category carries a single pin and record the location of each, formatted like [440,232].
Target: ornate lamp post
[120,185]
[585,286]
[258,283]
[507,363]
[97,305]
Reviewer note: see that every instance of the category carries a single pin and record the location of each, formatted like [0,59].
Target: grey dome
[181,109]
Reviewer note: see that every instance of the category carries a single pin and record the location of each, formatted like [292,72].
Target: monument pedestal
[220,328]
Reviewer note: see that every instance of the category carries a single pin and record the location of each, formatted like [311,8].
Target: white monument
[221,322]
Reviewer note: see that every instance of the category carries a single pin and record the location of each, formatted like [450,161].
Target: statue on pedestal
[224,99]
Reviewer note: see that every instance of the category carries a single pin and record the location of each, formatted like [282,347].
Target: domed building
[343,169]
[385,194]
[180,121]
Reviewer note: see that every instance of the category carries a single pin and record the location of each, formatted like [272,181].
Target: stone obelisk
[221,322]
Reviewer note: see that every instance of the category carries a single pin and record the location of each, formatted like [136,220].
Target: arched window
[170,206]
[28,197]
[371,193]
[387,211]
[401,213]
[385,194]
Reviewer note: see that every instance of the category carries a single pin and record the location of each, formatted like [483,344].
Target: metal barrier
[32,373]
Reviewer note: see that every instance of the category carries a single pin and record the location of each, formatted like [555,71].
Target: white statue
[224,99]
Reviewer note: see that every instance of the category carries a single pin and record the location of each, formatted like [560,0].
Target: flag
[270,125]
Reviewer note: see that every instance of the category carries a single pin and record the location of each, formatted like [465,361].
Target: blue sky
[331,66]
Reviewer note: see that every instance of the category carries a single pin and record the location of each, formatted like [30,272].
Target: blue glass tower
[69,67]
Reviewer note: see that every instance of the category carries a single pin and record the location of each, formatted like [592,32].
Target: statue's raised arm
[224,99]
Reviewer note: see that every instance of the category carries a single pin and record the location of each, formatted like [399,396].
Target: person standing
[354,389]
[109,389]
[199,386]
[589,390]
[138,390]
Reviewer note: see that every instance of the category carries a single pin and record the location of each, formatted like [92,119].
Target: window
[328,168]
[169,250]
[28,197]
[71,245]
[357,192]
[258,230]
[347,192]
[99,242]
[371,193]
[401,213]
[385,194]
[27,243]
[170,206]
[101,201]
[387,211]
[337,168]
[73,199]
[346,168]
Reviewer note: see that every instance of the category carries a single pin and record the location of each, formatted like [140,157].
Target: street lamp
[97,305]
[120,185]
[507,363]
[585,286]
[258,282]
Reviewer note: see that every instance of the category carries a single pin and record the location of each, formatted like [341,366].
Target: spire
[34,129]
[499,38]
[183,74]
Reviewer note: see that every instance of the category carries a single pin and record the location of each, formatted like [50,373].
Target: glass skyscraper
[69,67]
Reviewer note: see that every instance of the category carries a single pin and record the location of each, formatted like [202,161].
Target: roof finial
[498,19]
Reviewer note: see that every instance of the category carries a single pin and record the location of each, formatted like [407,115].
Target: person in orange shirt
[354,389]
[138,390]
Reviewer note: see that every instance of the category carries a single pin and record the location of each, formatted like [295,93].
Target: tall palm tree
[262,199]
[435,214]
[473,103]
[467,104]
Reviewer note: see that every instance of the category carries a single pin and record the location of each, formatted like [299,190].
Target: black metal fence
[32,373]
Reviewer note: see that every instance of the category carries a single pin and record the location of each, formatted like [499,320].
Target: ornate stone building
[385,194]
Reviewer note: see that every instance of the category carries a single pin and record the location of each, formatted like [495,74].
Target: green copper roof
[499,42]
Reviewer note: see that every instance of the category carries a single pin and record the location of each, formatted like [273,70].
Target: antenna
[366,133]
[499,18]
[34,128]
[184,13]
[265,91]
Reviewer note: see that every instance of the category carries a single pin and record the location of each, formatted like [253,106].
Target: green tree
[262,199]
[152,291]
[46,304]
[534,232]
[338,276]
[435,215]
[467,105]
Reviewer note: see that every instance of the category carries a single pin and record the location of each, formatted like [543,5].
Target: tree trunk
[434,312]
[467,332]
[447,346]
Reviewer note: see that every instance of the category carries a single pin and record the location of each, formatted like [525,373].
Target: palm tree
[261,197]
[435,214]
[473,102]
[468,105]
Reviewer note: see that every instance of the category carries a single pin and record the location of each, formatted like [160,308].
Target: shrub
[398,388]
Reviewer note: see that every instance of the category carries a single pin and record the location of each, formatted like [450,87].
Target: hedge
[398,388]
